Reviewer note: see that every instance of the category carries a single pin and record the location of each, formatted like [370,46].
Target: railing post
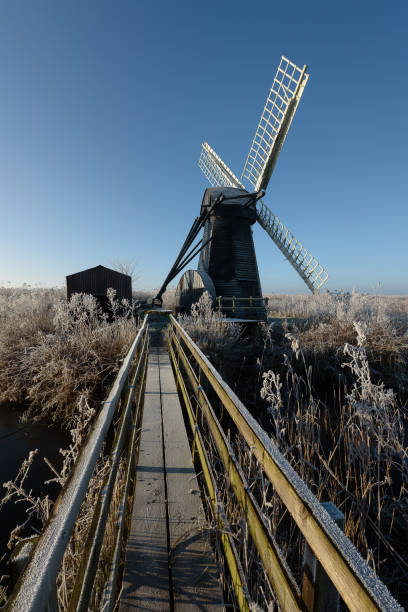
[318,591]
[233,304]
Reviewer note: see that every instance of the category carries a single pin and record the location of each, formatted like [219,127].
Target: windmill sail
[280,107]
[217,173]
[313,274]
[309,269]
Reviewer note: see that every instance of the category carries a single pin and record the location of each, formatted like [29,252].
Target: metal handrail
[231,555]
[35,586]
[243,299]
[275,565]
[89,562]
[239,303]
[109,593]
[354,580]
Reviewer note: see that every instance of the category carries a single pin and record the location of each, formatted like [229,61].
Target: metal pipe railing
[89,563]
[109,593]
[240,303]
[35,586]
[354,580]
[239,582]
[275,566]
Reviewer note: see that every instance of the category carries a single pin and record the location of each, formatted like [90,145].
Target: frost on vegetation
[339,305]
[266,330]
[271,392]
[38,508]
[353,452]
[208,327]
[376,425]
[53,350]
[300,432]
[327,318]
[82,420]
[325,323]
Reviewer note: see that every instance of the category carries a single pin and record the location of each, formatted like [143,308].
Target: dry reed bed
[57,358]
[342,429]
[38,512]
[351,450]
[52,351]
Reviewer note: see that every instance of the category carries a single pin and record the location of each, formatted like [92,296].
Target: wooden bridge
[176,435]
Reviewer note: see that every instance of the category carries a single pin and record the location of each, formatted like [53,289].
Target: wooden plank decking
[168,527]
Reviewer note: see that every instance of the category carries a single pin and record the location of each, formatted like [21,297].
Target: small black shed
[97,281]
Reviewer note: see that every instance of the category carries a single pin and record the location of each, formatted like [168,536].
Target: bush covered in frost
[53,350]
[208,327]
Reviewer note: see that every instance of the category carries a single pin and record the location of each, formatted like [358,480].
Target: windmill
[227,266]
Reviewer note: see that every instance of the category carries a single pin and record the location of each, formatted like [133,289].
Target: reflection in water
[16,441]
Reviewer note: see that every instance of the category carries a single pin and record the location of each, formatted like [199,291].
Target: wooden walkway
[169,561]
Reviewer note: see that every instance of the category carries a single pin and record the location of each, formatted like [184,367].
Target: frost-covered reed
[208,327]
[351,449]
[324,398]
[325,323]
[53,350]
[340,305]
[38,510]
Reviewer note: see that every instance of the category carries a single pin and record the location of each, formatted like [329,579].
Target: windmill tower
[227,267]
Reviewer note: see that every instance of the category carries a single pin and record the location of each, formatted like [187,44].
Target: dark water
[16,441]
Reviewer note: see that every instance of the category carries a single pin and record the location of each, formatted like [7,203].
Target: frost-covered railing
[251,308]
[35,589]
[353,579]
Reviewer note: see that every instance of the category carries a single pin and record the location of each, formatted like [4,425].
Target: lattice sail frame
[309,269]
[279,110]
[215,170]
[307,266]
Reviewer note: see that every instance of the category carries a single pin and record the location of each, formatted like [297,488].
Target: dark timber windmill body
[229,257]
[227,266]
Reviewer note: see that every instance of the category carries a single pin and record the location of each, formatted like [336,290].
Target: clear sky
[104,106]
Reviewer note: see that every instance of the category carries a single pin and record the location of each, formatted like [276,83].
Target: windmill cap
[234,204]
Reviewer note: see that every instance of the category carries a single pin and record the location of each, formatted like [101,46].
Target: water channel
[16,441]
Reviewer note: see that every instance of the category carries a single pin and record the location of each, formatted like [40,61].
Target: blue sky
[104,106]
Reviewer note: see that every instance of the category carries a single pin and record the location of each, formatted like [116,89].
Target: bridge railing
[238,304]
[354,580]
[36,587]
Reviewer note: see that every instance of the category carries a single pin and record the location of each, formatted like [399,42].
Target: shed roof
[95,268]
